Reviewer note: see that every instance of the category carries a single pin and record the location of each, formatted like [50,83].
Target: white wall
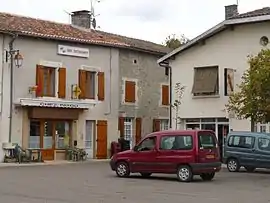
[228,49]
[34,51]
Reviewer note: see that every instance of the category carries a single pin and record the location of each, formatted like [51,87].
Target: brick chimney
[231,11]
[81,19]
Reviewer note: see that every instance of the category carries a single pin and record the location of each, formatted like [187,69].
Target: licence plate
[211,156]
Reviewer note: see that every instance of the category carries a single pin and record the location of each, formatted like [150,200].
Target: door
[144,158]
[48,140]
[101,139]
[263,152]
[223,130]
[89,132]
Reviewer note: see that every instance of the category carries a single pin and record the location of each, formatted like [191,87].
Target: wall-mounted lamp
[16,56]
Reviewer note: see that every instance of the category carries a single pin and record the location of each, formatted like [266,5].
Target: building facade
[67,92]
[210,67]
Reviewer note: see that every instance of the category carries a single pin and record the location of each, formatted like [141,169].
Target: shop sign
[73,51]
[58,105]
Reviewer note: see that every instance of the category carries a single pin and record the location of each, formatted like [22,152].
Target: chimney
[81,19]
[231,11]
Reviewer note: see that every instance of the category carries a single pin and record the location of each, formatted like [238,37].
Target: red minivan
[182,152]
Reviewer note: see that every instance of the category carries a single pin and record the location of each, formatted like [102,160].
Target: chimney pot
[231,11]
[81,19]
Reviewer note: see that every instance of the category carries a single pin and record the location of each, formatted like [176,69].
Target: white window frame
[163,124]
[160,95]
[56,66]
[124,91]
[129,122]
[92,69]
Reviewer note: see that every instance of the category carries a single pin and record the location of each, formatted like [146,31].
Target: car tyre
[184,173]
[146,175]
[207,176]
[250,169]
[122,169]
[233,165]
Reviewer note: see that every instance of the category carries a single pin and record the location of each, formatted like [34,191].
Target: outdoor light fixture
[16,56]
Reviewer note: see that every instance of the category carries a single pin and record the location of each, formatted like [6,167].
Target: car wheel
[184,173]
[146,175]
[233,165]
[250,168]
[207,176]
[122,169]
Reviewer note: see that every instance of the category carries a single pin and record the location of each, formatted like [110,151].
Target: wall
[228,49]
[149,77]
[34,51]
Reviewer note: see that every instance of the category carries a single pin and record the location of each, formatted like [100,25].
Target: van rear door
[208,150]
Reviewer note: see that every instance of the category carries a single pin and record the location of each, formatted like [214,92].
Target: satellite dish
[94,23]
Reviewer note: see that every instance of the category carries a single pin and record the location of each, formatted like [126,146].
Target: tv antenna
[93,16]
[237,2]
[69,15]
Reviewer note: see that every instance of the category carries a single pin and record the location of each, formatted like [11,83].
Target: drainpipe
[168,68]
[10,51]
[110,93]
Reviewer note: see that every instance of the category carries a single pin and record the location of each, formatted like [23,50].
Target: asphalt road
[95,183]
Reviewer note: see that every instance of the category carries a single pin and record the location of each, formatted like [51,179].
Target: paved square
[95,183]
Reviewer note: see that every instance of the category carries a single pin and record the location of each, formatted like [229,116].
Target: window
[206,140]
[130,91]
[165,95]
[128,131]
[62,135]
[164,124]
[183,142]
[148,144]
[205,81]
[45,81]
[241,141]
[264,144]
[228,81]
[88,87]
[34,139]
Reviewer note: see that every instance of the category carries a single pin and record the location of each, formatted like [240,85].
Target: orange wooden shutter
[156,125]
[101,86]
[39,80]
[121,126]
[138,130]
[82,83]
[130,91]
[61,83]
[102,135]
[165,95]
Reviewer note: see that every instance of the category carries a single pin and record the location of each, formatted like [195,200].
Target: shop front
[51,126]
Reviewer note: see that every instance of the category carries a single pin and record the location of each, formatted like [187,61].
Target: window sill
[206,96]
[129,103]
[164,106]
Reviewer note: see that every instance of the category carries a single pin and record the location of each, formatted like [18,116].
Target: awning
[56,103]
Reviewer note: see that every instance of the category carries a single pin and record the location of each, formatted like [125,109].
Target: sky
[151,20]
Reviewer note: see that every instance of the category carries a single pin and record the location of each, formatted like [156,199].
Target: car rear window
[175,142]
[206,140]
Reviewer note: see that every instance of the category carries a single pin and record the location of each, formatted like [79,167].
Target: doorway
[223,130]
[89,137]
[49,135]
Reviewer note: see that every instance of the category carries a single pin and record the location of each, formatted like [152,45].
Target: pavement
[94,182]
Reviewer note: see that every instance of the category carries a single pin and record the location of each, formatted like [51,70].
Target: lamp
[18,59]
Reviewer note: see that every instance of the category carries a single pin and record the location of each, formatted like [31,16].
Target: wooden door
[47,140]
[138,130]
[101,139]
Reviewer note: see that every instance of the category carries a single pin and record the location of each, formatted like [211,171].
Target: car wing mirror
[136,148]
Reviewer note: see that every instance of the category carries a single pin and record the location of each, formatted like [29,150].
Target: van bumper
[206,167]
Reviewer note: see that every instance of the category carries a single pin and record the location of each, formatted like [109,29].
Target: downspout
[11,50]
[2,76]
[110,93]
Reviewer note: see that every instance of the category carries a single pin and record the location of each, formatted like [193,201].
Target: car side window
[148,144]
[264,144]
[241,141]
[176,142]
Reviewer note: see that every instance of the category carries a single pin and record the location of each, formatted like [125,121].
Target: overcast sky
[144,19]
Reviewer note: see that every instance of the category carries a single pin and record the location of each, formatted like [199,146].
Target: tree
[173,42]
[179,92]
[253,98]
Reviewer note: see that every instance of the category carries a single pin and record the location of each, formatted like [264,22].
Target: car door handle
[253,150]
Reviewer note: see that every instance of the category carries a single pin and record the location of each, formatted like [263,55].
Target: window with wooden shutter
[121,126]
[165,95]
[45,81]
[130,91]
[62,82]
[138,130]
[39,81]
[82,83]
[156,125]
[101,86]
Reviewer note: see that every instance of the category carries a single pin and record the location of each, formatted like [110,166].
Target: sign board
[73,51]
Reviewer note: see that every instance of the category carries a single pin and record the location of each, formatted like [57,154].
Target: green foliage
[173,42]
[179,92]
[253,98]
